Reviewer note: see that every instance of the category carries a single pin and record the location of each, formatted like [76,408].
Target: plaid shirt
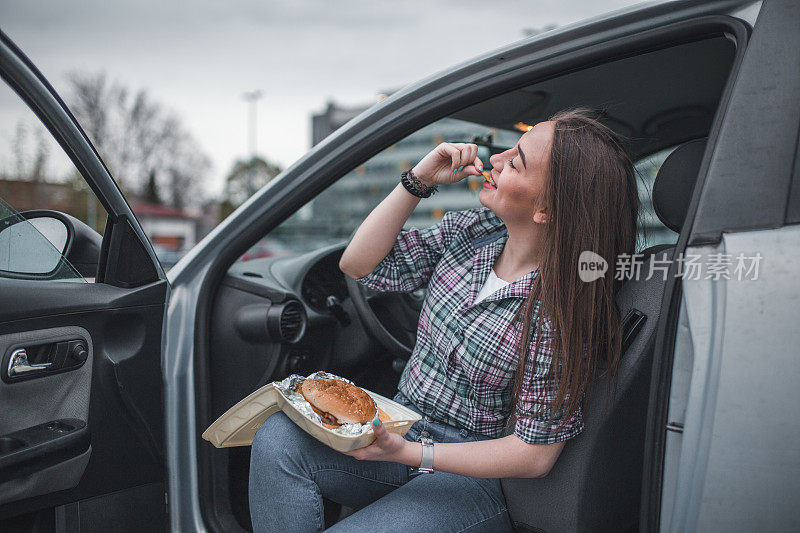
[462,369]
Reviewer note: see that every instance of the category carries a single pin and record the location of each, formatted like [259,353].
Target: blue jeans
[290,472]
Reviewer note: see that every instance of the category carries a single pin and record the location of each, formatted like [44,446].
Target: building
[333,215]
[168,228]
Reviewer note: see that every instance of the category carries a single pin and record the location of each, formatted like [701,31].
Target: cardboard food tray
[238,425]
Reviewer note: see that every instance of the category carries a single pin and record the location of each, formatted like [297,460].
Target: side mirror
[34,244]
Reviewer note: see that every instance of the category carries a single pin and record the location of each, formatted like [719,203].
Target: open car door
[722,431]
[81,429]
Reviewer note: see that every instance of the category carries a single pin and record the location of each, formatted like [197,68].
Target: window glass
[651,230]
[35,175]
[335,214]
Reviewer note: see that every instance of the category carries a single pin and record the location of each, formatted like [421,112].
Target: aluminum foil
[288,386]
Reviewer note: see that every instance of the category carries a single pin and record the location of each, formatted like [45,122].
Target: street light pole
[252,99]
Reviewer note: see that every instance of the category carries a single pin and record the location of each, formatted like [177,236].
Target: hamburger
[338,402]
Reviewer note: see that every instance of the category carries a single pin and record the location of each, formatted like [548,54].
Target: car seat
[596,483]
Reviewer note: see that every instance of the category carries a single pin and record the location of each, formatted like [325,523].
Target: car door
[723,426]
[81,429]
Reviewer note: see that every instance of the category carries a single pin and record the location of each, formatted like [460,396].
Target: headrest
[675,181]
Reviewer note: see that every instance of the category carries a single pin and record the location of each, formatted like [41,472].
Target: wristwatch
[426,465]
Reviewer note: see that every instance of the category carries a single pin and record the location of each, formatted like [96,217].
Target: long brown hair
[592,203]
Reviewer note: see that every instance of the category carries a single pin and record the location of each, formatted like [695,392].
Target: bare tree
[30,167]
[31,163]
[139,139]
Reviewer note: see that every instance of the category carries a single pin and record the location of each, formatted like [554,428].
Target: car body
[713,448]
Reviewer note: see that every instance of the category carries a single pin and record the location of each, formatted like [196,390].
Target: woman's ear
[540,217]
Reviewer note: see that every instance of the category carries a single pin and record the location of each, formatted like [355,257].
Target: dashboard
[282,315]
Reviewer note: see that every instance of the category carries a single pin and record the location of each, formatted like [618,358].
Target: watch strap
[426,464]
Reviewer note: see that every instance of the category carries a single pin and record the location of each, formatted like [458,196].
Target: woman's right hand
[378,233]
[441,166]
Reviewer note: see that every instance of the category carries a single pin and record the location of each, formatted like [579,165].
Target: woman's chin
[485,197]
[486,200]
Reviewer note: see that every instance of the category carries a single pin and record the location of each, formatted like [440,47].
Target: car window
[335,214]
[651,230]
[36,175]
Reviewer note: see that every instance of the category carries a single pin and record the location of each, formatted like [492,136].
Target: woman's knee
[275,427]
[276,437]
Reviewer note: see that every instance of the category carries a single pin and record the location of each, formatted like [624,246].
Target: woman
[507,327]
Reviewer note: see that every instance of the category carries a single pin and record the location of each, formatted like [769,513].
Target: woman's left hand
[387,447]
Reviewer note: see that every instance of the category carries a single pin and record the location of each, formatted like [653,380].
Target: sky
[199,58]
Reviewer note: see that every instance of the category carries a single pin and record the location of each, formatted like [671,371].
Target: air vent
[287,322]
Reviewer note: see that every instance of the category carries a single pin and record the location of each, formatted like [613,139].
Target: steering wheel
[389,317]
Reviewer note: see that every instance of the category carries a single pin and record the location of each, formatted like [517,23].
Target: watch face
[425,438]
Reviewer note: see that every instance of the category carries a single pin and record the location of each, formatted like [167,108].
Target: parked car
[107,386]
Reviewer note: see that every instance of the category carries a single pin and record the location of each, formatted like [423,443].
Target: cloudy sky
[198,58]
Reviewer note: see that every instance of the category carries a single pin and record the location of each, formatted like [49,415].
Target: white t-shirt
[492,285]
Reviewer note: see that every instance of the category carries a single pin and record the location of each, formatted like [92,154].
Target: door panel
[50,391]
[37,401]
[729,465]
[117,392]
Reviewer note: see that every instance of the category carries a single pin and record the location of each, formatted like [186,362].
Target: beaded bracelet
[413,185]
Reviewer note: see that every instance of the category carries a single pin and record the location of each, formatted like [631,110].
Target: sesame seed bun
[338,402]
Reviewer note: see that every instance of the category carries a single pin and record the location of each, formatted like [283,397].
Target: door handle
[18,364]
